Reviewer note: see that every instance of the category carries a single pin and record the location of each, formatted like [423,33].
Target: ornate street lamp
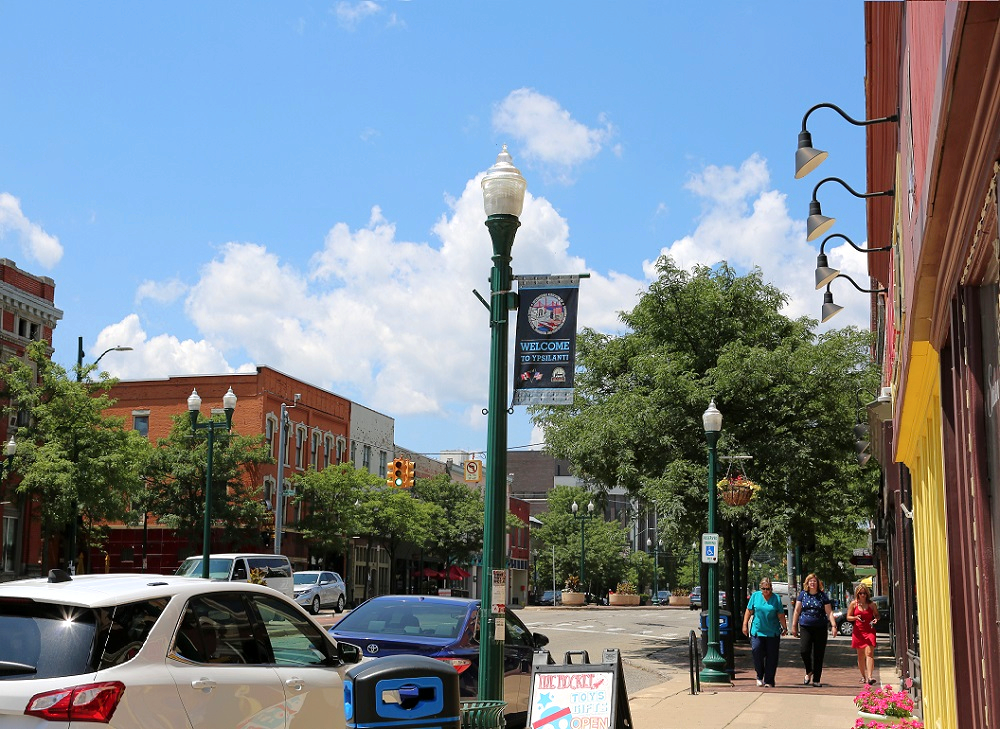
[503,199]
[713,672]
[194,406]
[582,518]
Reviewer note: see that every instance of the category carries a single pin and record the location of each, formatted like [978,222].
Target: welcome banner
[545,341]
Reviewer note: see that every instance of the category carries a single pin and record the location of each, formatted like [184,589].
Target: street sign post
[709,548]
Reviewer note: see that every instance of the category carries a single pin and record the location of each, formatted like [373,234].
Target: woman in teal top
[764,621]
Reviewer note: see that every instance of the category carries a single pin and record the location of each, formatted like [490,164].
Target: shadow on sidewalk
[840,669]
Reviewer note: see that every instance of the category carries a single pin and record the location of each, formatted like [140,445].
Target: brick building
[317,436]
[27,314]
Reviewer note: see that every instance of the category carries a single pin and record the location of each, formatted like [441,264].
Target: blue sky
[297,184]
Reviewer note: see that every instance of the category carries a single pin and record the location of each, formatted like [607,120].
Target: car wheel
[846,628]
[340,604]
[315,605]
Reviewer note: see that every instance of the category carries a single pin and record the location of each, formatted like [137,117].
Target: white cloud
[34,242]
[547,133]
[420,346]
[162,292]
[747,224]
[350,15]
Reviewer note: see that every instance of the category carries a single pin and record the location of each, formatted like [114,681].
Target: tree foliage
[454,518]
[71,457]
[787,394]
[175,480]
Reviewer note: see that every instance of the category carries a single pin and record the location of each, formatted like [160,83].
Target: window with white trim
[300,441]
[314,455]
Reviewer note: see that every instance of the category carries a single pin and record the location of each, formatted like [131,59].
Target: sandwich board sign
[578,695]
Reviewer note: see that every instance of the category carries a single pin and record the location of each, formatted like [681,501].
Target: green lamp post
[583,518]
[656,564]
[194,406]
[714,663]
[503,199]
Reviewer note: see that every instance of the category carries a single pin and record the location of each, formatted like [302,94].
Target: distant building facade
[27,314]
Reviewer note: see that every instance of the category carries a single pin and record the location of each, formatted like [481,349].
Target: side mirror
[348,653]
[541,640]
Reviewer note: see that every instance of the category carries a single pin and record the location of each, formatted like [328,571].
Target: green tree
[73,459]
[606,543]
[330,496]
[455,519]
[787,395]
[175,479]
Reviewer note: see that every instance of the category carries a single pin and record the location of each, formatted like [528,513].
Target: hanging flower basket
[737,490]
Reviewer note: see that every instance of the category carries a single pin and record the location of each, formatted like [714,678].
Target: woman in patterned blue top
[765,631]
[813,612]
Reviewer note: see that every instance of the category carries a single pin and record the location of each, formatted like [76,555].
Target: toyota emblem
[372,648]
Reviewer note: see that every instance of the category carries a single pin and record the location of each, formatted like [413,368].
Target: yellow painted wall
[919,446]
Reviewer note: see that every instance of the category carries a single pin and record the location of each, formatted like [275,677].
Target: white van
[781,590]
[236,568]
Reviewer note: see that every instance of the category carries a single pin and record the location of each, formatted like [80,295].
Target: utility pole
[279,492]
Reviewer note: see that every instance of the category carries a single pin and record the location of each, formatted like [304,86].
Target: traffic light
[397,474]
[408,474]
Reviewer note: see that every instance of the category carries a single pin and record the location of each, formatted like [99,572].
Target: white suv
[149,650]
[317,589]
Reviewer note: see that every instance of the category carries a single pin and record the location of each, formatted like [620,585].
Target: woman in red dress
[863,613]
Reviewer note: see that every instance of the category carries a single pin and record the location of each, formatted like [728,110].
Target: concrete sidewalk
[745,705]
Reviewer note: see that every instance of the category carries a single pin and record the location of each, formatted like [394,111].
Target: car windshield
[389,617]
[306,578]
[218,568]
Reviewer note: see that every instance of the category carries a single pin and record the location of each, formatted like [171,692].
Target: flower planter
[883,718]
[680,600]
[617,598]
[573,598]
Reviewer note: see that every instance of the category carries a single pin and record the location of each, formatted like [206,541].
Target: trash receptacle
[483,714]
[725,638]
[402,692]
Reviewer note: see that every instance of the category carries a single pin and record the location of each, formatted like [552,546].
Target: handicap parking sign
[709,548]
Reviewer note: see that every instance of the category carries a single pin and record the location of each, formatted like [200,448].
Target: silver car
[139,651]
[318,589]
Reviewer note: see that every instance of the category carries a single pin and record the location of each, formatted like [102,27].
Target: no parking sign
[473,471]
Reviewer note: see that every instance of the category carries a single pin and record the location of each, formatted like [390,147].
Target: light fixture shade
[806,158]
[11,448]
[863,458]
[830,310]
[575,507]
[504,187]
[229,400]
[824,275]
[194,401]
[712,418]
[817,224]
[861,446]
[861,431]
[590,507]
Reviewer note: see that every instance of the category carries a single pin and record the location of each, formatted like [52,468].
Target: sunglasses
[765,589]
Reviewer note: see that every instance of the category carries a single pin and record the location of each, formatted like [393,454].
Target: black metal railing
[694,657]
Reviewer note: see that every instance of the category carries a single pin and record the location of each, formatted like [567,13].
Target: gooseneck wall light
[825,274]
[831,309]
[808,158]
[817,224]
[503,199]
[194,408]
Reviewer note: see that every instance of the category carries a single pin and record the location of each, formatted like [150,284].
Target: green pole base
[714,665]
